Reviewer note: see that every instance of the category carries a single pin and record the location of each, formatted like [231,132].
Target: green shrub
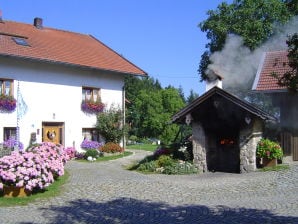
[111,147]
[164,161]
[92,152]
[269,149]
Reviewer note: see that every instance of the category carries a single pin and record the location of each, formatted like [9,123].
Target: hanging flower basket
[92,107]
[7,103]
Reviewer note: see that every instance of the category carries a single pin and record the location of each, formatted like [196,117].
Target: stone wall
[199,147]
[249,138]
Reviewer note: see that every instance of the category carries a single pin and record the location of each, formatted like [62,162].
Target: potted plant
[269,151]
[7,103]
[92,107]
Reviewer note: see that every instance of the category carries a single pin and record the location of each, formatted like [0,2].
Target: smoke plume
[238,65]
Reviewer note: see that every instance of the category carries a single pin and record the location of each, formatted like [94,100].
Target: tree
[192,96]
[110,125]
[290,78]
[252,20]
[292,6]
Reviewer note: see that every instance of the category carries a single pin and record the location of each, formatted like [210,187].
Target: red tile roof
[58,46]
[274,61]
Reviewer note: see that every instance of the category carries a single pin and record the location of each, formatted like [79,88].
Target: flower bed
[34,169]
[111,147]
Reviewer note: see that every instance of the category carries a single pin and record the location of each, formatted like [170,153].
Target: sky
[161,37]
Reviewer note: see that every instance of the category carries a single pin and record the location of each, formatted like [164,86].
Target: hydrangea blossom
[11,143]
[35,168]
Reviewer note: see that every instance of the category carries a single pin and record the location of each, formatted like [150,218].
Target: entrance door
[52,132]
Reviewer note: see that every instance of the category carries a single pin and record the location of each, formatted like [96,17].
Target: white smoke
[238,65]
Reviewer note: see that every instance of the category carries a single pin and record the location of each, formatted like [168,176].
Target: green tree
[192,96]
[292,6]
[290,78]
[252,20]
[110,124]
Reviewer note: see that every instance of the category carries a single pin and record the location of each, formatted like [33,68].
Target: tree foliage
[110,125]
[252,20]
[290,78]
[151,107]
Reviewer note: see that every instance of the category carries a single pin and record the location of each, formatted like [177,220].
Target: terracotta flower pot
[12,191]
[269,162]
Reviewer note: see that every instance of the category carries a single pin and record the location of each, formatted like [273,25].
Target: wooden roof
[215,91]
[63,47]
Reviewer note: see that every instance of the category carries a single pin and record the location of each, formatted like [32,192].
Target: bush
[11,143]
[110,124]
[93,153]
[88,144]
[35,168]
[70,152]
[164,161]
[269,149]
[111,147]
[80,155]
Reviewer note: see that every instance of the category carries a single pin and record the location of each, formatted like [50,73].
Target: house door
[52,132]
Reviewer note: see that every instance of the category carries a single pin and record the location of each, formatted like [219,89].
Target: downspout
[123,122]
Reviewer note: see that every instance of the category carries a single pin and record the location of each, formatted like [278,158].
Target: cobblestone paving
[107,193]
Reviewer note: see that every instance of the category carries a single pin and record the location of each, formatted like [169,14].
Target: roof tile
[60,46]
[274,62]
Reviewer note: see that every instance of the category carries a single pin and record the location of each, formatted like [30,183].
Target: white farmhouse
[50,73]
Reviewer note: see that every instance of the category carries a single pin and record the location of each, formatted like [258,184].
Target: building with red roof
[54,82]
[276,62]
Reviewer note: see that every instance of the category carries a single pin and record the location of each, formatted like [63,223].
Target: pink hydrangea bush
[36,168]
[70,152]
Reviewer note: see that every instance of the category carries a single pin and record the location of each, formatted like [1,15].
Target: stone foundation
[199,147]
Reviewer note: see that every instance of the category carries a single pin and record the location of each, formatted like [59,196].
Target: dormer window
[20,41]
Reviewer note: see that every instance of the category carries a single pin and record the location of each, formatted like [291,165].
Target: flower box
[92,107]
[12,191]
[7,104]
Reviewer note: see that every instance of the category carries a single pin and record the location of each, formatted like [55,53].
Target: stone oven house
[50,72]
[225,131]
[287,102]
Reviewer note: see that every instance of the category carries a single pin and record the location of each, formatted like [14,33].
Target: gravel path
[106,193]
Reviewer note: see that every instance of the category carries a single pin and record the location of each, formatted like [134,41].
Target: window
[9,132]
[6,87]
[91,134]
[20,41]
[90,94]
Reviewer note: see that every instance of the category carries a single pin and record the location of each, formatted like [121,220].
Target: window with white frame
[6,87]
[91,134]
[9,132]
[90,94]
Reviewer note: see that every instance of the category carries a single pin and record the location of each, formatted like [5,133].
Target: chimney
[38,23]
[214,79]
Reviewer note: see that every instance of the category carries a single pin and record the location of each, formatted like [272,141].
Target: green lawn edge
[53,190]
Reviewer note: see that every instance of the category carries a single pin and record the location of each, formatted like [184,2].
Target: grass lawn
[53,190]
[107,158]
[275,168]
[146,147]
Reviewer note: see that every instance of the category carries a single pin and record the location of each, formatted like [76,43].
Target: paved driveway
[106,193]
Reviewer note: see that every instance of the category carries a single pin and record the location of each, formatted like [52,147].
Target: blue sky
[159,36]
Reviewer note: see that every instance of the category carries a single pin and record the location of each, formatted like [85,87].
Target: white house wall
[53,93]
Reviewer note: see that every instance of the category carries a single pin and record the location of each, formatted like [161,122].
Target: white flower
[182,149]
[89,158]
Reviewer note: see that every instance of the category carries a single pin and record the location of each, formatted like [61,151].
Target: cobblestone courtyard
[106,193]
